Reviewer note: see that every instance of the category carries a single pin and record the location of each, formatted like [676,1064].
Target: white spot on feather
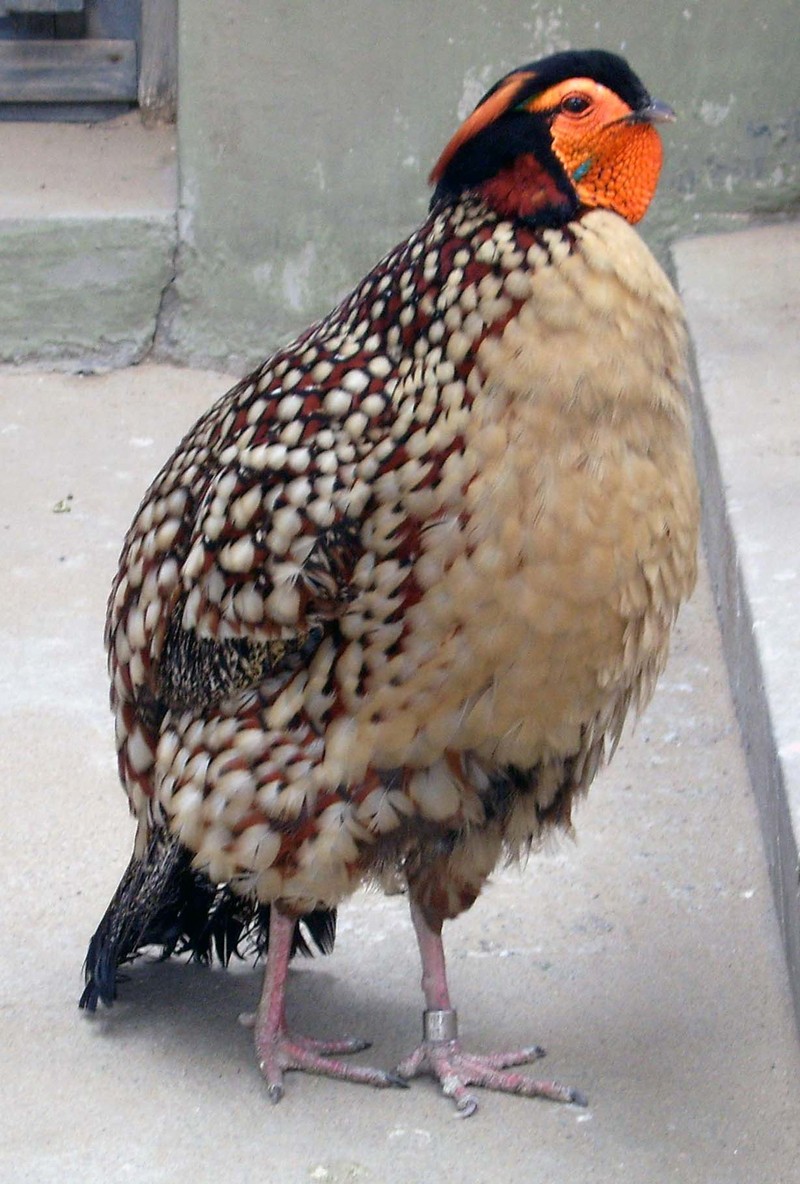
[139,751]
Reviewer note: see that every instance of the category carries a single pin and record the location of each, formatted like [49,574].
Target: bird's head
[572,131]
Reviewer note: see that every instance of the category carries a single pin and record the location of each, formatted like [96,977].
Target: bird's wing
[239,556]
[247,543]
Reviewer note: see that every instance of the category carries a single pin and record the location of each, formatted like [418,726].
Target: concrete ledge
[87,241]
[742,295]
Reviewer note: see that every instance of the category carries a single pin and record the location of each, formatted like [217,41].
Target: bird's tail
[162,901]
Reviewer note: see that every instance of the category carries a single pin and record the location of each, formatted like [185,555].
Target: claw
[578,1098]
[467,1106]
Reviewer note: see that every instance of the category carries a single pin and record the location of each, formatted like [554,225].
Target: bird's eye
[575,104]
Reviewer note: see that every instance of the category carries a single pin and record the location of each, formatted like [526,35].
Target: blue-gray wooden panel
[7,6]
[67,71]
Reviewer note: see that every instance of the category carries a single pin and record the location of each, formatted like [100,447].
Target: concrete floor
[645,957]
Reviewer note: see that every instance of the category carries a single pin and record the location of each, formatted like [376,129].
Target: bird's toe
[455,1070]
[302,1053]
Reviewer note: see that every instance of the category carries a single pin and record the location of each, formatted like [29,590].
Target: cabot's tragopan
[383,612]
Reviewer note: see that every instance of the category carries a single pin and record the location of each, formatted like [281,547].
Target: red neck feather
[527,190]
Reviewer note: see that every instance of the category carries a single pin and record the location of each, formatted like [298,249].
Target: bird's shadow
[185,1005]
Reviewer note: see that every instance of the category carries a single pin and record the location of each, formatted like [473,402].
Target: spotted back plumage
[252,531]
[338,641]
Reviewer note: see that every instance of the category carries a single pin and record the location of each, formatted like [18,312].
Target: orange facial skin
[611,154]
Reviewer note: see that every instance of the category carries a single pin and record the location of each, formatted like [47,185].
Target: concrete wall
[307,129]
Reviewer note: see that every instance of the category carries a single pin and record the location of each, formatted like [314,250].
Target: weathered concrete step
[87,241]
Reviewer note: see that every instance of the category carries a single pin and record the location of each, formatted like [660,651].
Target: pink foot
[455,1070]
[440,1054]
[276,1049]
[280,1052]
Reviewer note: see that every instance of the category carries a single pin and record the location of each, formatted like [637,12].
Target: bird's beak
[654,112]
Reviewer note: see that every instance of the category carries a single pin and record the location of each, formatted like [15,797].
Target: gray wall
[307,129]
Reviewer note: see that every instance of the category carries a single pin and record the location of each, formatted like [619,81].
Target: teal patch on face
[582,170]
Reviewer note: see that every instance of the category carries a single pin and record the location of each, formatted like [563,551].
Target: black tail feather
[162,901]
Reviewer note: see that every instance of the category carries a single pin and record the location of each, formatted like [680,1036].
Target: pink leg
[276,1049]
[440,1054]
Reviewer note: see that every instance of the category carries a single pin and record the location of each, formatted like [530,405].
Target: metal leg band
[438,1027]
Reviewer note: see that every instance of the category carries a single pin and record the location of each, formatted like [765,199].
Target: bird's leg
[277,1050]
[440,1054]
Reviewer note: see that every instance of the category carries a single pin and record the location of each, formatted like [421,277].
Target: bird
[381,616]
